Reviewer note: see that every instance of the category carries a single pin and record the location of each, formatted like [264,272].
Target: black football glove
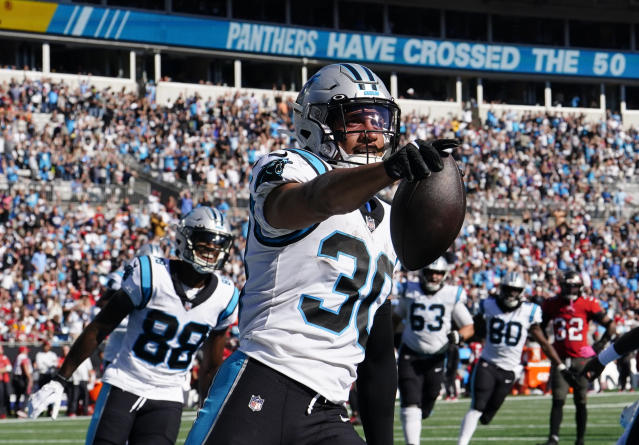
[569,376]
[417,159]
[593,369]
[599,345]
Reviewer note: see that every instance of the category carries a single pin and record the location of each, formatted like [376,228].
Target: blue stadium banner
[155,28]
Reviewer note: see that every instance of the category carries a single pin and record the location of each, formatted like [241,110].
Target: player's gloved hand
[599,345]
[569,376]
[593,369]
[454,338]
[49,394]
[417,159]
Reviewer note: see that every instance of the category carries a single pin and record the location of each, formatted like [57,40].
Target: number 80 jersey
[506,332]
[164,333]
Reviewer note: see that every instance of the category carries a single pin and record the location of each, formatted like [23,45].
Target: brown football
[427,215]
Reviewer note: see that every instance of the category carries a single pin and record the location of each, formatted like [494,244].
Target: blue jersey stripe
[532,313]
[223,383]
[315,162]
[230,307]
[146,280]
[459,292]
[97,413]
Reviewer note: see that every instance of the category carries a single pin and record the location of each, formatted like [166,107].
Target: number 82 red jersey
[570,322]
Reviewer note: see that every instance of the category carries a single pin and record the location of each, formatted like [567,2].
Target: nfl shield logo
[256,402]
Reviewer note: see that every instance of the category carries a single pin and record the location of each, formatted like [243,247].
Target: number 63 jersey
[506,332]
[165,330]
[311,294]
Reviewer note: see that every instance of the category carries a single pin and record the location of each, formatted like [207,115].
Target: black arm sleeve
[627,342]
[377,381]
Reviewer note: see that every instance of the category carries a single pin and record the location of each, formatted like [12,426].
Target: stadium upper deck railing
[168,92]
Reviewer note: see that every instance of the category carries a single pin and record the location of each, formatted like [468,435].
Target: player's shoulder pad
[292,165]
[137,280]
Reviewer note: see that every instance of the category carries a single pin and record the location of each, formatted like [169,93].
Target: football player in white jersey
[314,316]
[174,308]
[505,321]
[428,309]
[113,284]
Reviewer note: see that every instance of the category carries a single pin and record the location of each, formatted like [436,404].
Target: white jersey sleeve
[137,281]
[229,315]
[461,314]
[275,169]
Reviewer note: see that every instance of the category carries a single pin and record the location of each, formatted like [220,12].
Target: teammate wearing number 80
[505,320]
[174,308]
[428,308]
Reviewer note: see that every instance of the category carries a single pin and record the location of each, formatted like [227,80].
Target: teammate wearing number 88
[175,307]
[570,314]
[506,321]
[428,308]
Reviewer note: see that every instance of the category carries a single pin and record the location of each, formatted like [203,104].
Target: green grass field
[522,420]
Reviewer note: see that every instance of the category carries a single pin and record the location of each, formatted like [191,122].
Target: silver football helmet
[433,276]
[150,249]
[341,100]
[511,291]
[204,239]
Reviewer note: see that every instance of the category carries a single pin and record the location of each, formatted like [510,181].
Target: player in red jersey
[570,314]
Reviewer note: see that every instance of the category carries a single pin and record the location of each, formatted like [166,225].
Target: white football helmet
[203,239]
[150,249]
[343,99]
[433,276]
[511,291]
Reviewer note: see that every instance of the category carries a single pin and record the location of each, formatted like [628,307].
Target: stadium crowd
[54,258]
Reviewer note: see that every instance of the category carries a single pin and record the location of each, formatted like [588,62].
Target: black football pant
[490,385]
[250,403]
[420,379]
[121,416]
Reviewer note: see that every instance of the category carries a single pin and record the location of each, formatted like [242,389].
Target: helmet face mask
[433,276]
[571,285]
[204,239]
[511,291]
[345,115]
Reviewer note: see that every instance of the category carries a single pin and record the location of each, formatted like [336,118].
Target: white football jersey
[428,318]
[506,332]
[165,329]
[311,294]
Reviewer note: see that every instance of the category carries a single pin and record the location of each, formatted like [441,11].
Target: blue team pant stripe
[472,385]
[145,280]
[230,307]
[223,384]
[97,413]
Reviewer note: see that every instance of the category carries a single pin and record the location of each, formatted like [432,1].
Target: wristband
[561,367]
[608,355]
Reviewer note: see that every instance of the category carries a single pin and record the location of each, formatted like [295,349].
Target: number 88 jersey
[506,332]
[164,332]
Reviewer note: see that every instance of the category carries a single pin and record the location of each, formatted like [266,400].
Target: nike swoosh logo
[437,370]
[344,419]
[508,381]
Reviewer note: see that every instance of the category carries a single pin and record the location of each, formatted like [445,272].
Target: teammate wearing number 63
[428,308]
[174,308]
[506,321]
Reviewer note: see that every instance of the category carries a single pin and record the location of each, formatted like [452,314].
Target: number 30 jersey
[165,330]
[506,332]
[428,318]
[570,324]
[311,294]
